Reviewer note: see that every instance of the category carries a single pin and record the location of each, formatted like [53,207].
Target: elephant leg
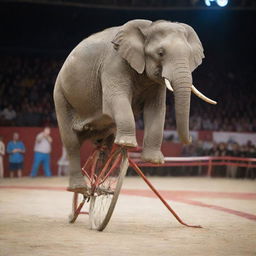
[70,140]
[154,118]
[121,112]
[117,86]
[125,123]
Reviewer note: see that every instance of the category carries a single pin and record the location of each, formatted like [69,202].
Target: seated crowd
[231,149]
[26,91]
[209,148]
[26,86]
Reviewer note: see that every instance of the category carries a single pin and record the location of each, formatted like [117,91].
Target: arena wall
[170,146]
[28,135]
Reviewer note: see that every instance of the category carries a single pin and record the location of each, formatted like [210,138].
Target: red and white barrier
[209,161]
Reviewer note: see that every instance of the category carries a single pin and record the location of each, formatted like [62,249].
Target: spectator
[16,150]
[213,150]
[42,151]
[235,152]
[251,172]
[9,114]
[219,150]
[244,152]
[2,153]
[63,163]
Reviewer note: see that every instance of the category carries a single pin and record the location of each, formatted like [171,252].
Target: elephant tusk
[168,85]
[201,96]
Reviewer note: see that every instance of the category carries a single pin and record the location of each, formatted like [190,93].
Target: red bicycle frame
[95,180]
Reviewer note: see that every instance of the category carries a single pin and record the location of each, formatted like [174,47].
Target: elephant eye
[161,52]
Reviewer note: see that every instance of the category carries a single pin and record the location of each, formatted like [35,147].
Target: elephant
[118,73]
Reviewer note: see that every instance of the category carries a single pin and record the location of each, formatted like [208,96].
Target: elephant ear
[196,46]
[129,43]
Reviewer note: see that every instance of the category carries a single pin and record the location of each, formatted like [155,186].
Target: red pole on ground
[138,170]
[75,198]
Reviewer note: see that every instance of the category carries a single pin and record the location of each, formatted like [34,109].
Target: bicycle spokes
[100,167]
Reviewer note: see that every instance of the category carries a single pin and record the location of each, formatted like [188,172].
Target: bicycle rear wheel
[110,174]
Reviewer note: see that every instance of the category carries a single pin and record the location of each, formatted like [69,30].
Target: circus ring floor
[34,219]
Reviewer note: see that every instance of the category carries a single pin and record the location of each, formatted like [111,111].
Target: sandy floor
[34,221]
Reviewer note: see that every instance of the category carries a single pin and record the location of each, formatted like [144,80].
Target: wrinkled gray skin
[114,74]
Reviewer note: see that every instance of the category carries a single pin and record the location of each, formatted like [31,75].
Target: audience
[26,91]
[27,84]
[209,148]
[206,148]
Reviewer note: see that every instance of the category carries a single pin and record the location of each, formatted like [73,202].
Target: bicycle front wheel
[104,198]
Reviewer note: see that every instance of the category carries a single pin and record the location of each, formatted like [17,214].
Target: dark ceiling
[58,28]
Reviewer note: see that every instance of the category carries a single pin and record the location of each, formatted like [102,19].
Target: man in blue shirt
[16,150]
[42,150]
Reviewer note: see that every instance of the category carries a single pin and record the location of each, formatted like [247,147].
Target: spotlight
[208,2]
[220,3]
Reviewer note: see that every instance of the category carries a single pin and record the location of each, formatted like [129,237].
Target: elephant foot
[155,157]
[77,184]
[128,141]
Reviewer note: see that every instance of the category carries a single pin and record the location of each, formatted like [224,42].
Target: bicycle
[104,172]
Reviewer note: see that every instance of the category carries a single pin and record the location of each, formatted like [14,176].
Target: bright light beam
[222,3]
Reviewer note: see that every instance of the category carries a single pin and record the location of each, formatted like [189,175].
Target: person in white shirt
[9,113]
[63,163]
[2,153]
[42,151]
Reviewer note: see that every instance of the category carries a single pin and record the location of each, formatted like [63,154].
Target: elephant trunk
[181,82]
[182,108]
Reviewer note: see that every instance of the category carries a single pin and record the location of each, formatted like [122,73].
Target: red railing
[208,161]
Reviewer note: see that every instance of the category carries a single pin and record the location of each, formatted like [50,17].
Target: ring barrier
[208,161]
